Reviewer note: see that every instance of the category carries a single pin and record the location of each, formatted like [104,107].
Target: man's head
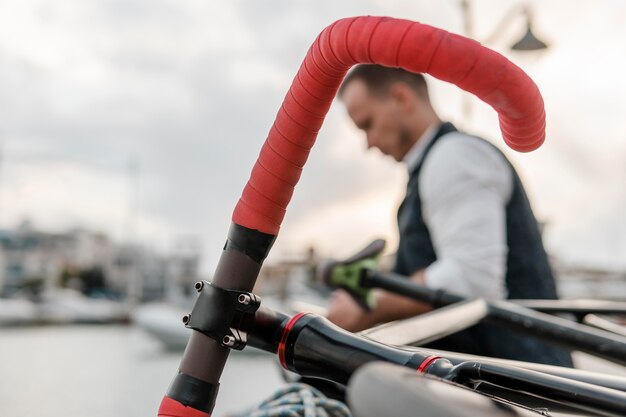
[390,105]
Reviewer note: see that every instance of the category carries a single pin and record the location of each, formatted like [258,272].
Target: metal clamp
[223,315]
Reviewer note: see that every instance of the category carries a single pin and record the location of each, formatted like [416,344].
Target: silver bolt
[228,341]
[186,318]
[244,299]
[199,286]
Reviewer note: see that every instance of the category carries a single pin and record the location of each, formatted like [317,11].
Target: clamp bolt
[186,318]
[244,299]
[199,286]
[228,341]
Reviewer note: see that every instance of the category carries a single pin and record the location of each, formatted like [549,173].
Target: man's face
[379,117]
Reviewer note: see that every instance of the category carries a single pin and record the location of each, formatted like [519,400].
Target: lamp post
[529,42]
[0,182]
[135,280]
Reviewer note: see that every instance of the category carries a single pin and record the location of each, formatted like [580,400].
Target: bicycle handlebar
[262,206]
[390,42]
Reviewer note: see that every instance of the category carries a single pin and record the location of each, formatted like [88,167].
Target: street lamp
[529,42]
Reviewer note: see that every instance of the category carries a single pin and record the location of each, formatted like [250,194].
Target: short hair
[379,79]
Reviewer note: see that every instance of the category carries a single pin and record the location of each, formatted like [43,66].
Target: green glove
[347,274]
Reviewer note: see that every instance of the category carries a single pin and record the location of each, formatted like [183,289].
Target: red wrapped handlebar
[261,208]
[390,42]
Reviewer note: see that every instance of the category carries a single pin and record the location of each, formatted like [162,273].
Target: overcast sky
[142,119]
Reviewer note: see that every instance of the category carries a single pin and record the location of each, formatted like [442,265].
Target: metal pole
[1,166]
[468,31]
[544,326]
[312,346]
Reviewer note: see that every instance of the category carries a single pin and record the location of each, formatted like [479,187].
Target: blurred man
[465,225]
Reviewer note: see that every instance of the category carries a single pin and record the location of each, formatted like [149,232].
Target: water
[112,371]
[117,371]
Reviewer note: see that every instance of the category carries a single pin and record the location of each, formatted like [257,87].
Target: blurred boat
[163,321]
[61,306]
[17,312]
[66,306]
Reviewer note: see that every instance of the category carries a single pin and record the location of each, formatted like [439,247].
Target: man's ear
[403,95]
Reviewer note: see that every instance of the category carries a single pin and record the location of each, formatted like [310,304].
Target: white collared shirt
[464,188]
[414,155]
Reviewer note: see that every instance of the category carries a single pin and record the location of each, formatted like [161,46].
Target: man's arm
[465,185]
[464,188]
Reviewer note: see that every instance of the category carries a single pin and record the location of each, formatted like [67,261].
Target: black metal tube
[577,336]
[382,389]
[318,348]
[402,285]
[595,378]
[579,395]
[315,347]
[269,325]
[554,329]
[266,332]
[204,358]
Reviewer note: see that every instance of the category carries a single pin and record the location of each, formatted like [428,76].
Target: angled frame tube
[312,346]
[563,332]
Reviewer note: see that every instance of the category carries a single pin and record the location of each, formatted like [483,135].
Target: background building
[32,260]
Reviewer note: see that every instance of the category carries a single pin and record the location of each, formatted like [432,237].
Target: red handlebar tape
[395,43]
[172,408]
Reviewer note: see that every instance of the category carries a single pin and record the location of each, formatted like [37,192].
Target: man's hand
[347,314]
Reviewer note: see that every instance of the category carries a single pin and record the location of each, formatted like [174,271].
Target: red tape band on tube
[427,362]
[172,408]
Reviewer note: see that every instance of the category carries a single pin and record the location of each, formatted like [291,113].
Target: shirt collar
[413,157]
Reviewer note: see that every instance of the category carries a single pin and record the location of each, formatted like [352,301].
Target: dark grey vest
[528,273]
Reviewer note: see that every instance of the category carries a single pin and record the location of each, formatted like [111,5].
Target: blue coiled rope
[298,400]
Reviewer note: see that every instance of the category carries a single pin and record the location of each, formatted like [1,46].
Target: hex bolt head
[244,299]
[199,286]
[228,341]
